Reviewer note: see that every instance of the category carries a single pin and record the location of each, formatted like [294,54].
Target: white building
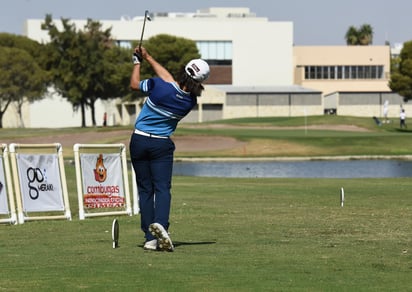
[245,49]
[260,50]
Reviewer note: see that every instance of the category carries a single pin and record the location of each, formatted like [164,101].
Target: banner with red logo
[4,205]
[40,182]
[103,185]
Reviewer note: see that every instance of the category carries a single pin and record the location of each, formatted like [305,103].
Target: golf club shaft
[144,24]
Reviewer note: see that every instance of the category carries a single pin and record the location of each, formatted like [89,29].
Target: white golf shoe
[163,238]
[150,245]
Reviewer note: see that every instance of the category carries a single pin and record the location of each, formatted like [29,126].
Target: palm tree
[362,36]
[352,36]
[366,35]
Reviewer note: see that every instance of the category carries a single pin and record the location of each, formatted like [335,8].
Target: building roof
[359,92]
[264,89]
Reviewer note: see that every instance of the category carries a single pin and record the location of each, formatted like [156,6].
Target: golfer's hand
[142,52]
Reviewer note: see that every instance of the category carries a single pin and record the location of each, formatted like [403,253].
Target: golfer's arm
[135,78]
[160,70]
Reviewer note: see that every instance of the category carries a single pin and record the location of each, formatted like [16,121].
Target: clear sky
[316,22]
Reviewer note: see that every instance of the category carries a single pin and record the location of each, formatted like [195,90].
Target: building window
[216,52]
[344,72]
[353,72]
[332,72]
[340,72]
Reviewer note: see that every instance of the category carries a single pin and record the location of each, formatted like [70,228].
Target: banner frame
[20,212]
[12,219]
[79,179]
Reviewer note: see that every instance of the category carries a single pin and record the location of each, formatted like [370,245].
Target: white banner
[4,205]
[103,185]
[40,182]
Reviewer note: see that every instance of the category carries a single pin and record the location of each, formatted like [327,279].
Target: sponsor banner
[4,205]
[103,201]
[102,181]
[40,182]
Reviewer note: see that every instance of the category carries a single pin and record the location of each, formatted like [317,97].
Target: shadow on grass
[180,243]
[399,130]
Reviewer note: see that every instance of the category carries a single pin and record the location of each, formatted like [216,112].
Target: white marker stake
[115,233]
[342,197]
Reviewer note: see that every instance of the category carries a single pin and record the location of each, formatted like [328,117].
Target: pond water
[296,169]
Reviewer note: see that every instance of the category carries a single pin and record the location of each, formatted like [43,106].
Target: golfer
[151,148]
[402,117]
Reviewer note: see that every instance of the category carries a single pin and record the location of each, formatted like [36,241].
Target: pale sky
[316,22]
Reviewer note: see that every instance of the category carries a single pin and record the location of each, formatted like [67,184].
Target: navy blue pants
[152,160]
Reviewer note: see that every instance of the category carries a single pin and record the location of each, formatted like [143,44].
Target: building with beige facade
[251,75]
[353,79]
[342,68]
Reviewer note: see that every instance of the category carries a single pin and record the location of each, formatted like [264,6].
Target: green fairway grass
[293,136]
[230,235]
[263,137]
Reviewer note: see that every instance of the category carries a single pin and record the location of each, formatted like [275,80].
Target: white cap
[198,69]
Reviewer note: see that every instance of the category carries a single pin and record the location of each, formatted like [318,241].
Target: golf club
[146,16]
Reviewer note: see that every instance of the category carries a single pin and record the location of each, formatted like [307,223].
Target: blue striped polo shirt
[165,106]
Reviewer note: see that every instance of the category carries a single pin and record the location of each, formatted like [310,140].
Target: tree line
[81,64]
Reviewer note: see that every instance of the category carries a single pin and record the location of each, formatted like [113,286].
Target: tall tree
[37,52]
[362,36]
[21,78]
[365,35]
[35,49]
[352,36]
[66,62]
[401,76]
[82,62]
[170,51]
